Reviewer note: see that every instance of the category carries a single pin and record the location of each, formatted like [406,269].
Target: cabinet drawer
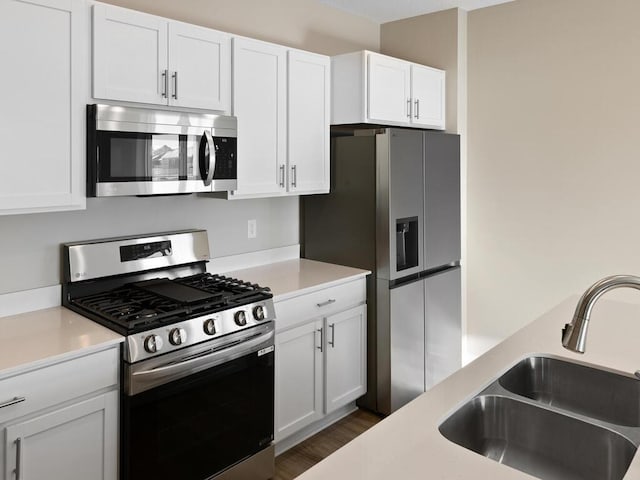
[49,386]
[319,303]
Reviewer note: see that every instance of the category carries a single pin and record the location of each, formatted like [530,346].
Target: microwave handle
[207,161]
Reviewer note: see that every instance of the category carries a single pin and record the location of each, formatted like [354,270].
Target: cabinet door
[129,55]
[42,50]
[428,94]
[345,357]
[308,133]
[199,67]
[259,102]
[299,353]
[78,442]
[389,89]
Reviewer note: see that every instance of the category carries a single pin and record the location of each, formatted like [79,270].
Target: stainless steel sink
[588,391]
[539,441]
[553,419]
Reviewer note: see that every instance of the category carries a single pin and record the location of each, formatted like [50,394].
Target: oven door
[193,415]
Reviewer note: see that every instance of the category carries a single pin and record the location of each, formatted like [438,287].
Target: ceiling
[382,11]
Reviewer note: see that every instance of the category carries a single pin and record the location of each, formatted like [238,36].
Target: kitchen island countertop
[407,445]
[34,339]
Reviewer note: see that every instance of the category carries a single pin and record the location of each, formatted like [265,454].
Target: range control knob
[209,327]
[258,312]
[178,336]
[153,343]
[241,318]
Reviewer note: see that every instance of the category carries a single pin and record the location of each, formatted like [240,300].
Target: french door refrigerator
[394,209]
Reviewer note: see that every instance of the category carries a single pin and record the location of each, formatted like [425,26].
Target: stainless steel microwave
[138,151]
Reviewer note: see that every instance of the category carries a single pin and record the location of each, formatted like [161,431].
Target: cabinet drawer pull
[13,401]
[321,339]
[324,304]
[282,176]
[333,335]
[417,108]
[175,85]
[408,108]
[165,83]
[294,174]
[17,470]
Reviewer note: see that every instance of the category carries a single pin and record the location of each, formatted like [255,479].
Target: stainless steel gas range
[197,392]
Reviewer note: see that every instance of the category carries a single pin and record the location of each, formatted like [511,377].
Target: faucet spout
[574,334]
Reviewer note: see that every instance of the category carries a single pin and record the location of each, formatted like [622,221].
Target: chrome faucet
[574,334]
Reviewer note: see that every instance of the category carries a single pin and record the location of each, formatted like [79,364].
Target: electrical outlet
[252,229]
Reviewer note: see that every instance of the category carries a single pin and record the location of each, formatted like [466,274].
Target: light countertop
[44,336]
[407,445]
[297,277]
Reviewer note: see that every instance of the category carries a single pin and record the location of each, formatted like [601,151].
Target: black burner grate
[135,308]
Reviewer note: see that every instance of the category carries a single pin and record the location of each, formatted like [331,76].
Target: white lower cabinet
[346,357]
[77,442]
[299,378]
[60,421]
[320,355]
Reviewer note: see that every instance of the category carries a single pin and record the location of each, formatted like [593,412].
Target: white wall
[554,162]
[30,244]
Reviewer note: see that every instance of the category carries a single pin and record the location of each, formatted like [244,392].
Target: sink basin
[537,441]
[588,391]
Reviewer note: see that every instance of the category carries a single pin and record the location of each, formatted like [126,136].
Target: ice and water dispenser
[406,243]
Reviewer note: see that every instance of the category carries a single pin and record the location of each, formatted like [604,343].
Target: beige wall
[554,162]
[305,24]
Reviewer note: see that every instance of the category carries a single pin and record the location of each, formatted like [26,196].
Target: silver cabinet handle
[282,176]
[165,83]
[17,470]
[175,85]
[417,108]
[13,401]
[321,339]
[324,304]
[408,108]
[333,335]
[294,175]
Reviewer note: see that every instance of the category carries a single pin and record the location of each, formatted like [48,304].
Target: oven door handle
[206,359]
[207,161]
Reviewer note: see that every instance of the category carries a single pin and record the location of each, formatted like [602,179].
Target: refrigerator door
[443,329]
[406,337]
[400,203]
[441,199]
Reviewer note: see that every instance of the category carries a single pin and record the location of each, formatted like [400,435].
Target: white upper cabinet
[428,96]
[367,87]
[389,84]
[308,120]
[260,104]
[147,59]
[43,55]
[129,55]
[200,66]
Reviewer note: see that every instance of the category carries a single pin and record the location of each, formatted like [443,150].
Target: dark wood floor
[305,455]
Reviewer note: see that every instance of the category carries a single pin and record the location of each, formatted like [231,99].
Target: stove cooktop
[139,306]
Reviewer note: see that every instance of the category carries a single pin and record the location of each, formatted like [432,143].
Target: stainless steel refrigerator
[394,209]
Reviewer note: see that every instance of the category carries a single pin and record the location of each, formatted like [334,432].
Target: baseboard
[253,259]
[29,300]
[309,431]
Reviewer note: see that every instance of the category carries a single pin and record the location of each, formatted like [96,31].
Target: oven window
[194,427]
[131,157]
